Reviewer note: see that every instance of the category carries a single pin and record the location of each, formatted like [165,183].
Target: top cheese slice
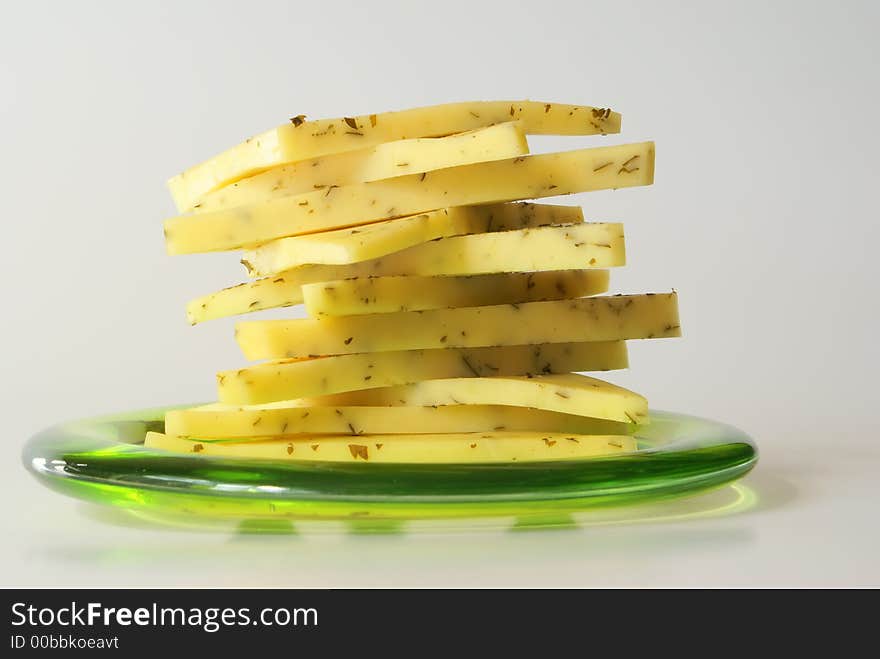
[301,139]
[385,160]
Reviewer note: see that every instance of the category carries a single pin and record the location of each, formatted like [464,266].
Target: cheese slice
[367,241]
[524,177]
[569,393]
[284,380]
[263,421]
[453,448]
[586,245]
[541,250]
[300,139]
[606,318]
[365,295]
[383,161]
[370,241]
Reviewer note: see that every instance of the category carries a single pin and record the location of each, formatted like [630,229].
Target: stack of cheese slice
[448,319]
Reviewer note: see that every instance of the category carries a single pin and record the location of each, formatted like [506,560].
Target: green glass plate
[103,460]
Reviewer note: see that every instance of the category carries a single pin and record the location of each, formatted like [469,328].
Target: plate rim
[64,479]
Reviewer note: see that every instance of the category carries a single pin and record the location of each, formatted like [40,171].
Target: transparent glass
[103,460]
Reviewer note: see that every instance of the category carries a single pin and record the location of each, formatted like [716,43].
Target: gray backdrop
[763,216]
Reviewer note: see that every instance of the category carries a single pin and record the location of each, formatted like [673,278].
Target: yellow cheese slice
[371,164]
[586,245]
[540,250]
[301,140]
[370,241]
[284,380]
[606,318]
[364,295]
[458,448]
[524,177]
[367,241]
[569,393]
[263,421]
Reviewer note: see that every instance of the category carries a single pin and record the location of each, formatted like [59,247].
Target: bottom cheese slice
[455,448]
[363,295]
[568,393]
[284,380]
[262,421]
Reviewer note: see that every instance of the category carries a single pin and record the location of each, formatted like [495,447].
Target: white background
[763,216]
